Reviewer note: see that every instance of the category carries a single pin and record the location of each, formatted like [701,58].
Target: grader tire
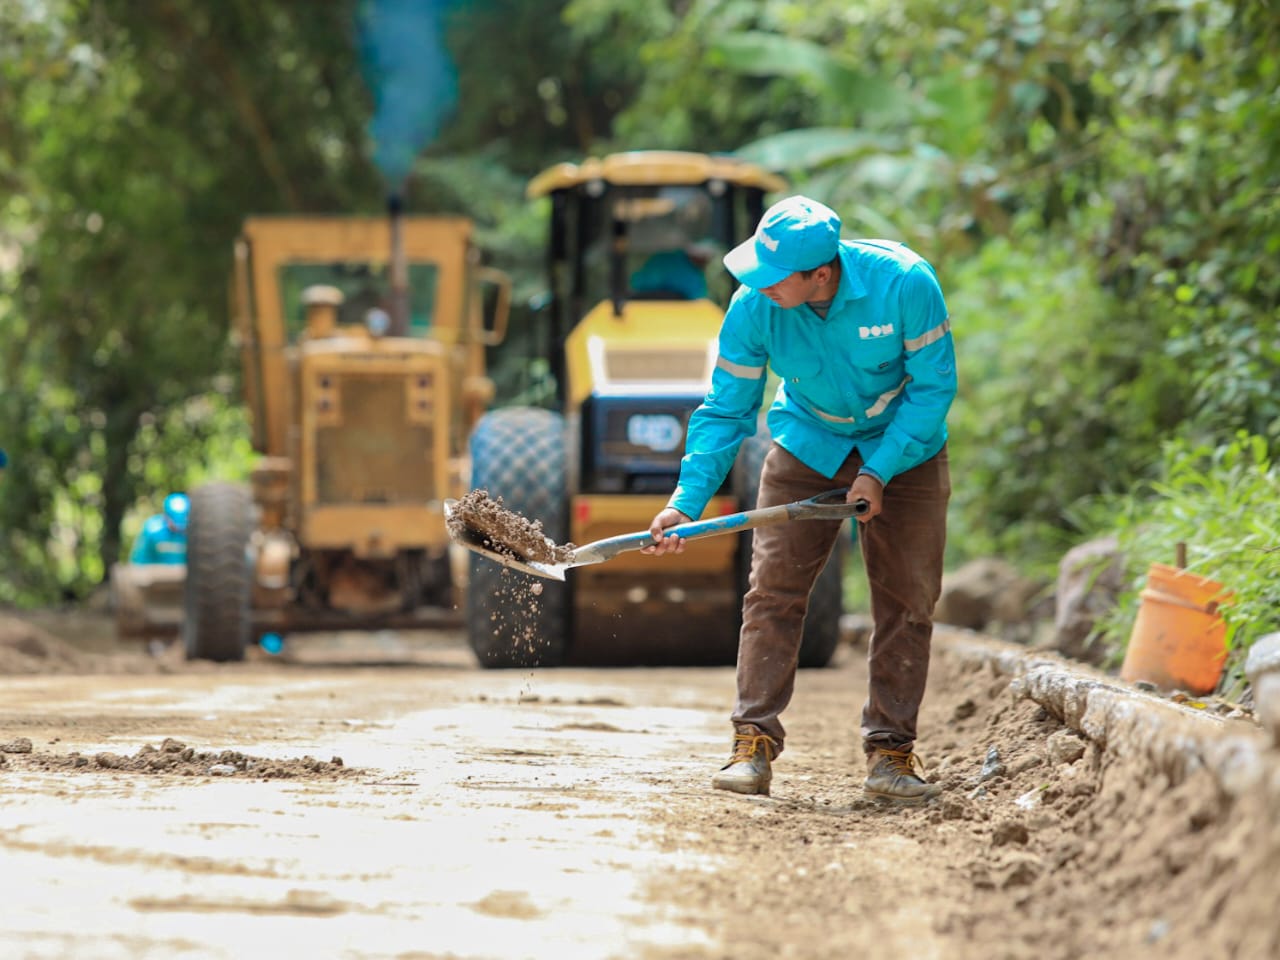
[514,619]
[216,616]
[826,601]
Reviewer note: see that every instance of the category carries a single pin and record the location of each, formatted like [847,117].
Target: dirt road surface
[380,796]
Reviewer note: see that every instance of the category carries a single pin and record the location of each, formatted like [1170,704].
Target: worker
[164,536]
[858,332]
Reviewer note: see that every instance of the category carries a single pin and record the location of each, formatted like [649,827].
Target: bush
[1223,503]
[1057,399]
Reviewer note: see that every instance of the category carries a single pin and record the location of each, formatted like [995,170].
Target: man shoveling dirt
[863,326]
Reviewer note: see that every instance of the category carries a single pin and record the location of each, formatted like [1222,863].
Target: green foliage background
[1095,181]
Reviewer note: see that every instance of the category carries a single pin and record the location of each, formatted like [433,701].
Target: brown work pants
[902,551]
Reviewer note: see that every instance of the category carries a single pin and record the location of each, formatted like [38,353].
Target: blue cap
[794,234]
[176,509]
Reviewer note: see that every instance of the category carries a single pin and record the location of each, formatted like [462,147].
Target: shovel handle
[825,506]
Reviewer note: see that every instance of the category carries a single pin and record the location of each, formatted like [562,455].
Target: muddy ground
[378,795]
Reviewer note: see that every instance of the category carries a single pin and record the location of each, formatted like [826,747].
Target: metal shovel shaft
[825,506]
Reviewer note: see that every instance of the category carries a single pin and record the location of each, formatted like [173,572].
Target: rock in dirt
[992,766]
[984,593]
[1065,747]
[1090,580]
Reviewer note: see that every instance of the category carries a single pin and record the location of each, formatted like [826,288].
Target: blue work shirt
[878,374]
[157,543]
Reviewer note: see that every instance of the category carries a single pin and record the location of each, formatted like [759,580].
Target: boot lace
[745,746]
[904,762]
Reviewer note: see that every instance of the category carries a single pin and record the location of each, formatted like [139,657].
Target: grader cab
[637,296]
[362,343]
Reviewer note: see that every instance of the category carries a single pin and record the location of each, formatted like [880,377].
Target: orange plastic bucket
[1179,639]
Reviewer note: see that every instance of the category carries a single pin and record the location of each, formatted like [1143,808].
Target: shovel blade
[477,542]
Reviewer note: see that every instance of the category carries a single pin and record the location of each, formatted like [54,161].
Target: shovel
[825,506]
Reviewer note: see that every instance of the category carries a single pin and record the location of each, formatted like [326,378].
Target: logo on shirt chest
[872,333]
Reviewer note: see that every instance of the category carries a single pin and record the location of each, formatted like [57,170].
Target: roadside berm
[1176,851]
[1081,818]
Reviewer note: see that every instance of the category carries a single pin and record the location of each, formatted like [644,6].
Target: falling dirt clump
[174,757]
[476,517]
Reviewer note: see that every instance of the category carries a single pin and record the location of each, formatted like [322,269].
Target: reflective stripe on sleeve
[739,370]
[883,402]
[929,336]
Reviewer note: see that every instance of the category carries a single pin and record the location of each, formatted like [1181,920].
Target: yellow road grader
[637,296]
[363,352]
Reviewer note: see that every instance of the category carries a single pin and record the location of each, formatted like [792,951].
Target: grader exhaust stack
[398,268]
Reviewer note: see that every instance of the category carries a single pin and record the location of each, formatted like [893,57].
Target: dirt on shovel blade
[506,532]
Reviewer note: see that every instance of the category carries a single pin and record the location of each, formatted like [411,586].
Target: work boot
[897,775]
[748,769]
